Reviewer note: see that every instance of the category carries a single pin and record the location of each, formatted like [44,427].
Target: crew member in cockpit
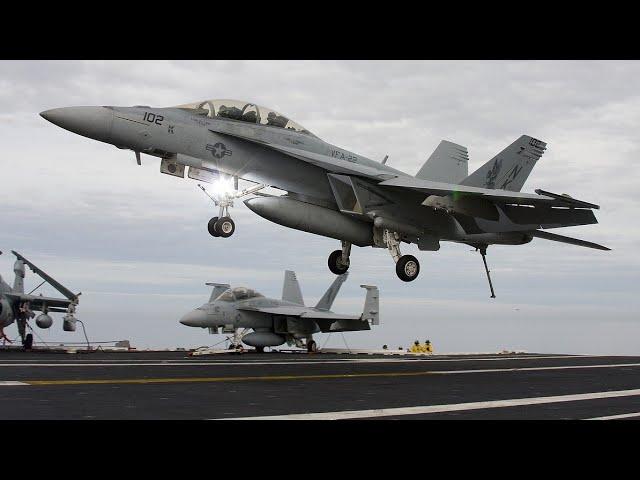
[276,120]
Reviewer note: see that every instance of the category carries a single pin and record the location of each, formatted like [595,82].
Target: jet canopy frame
[242,111]
[238,294]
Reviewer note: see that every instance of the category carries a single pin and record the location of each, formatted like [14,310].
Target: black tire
[407,268]
[335,263]
[312,347]
[211,226]
[28,341]
[259,349]
[225,227]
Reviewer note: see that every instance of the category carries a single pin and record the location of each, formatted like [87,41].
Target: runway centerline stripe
[454,407]
[11,384]
[329,376]
[616,417]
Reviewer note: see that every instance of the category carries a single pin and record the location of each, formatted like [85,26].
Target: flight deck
[174,385]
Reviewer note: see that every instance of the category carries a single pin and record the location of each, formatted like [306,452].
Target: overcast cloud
[134,241]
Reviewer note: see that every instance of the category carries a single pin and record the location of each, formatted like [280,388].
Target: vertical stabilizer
[371,310]
[218,289]
[509,169]
[449,163]
[332,292]
[291,288]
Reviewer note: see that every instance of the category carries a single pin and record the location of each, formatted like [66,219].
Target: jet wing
[325,162]
[545,199]
[53,282]
[37,302]
[301,312]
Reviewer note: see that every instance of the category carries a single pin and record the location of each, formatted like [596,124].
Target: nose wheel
[222,225]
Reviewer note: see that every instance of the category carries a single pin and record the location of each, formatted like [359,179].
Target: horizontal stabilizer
[448,163]
[573,241]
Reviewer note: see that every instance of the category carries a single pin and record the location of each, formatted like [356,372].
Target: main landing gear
[339,259]
[407,266]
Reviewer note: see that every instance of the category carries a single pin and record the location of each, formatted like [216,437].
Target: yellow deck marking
[110,381]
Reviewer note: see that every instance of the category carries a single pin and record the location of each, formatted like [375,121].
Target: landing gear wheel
[407,268]
[225,227]
[312,347]
[28,342]
[211,226]
[259,349]
[335,263]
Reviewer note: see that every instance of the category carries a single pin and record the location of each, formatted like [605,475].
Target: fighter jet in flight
[336,193]
[274,321]
[17,306]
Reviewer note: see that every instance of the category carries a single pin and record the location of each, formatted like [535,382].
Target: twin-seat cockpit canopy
[237,294]
[241,111]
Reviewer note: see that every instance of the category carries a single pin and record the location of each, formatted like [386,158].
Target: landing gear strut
[407,266]
[339,259]
[483,252]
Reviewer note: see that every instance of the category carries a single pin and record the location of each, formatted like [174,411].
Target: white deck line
[454,407]
[616,417]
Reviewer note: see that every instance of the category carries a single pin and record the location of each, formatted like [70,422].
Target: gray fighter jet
[274,321]
[337,193]
[17,306]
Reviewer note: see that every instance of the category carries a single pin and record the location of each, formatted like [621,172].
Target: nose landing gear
[222,225]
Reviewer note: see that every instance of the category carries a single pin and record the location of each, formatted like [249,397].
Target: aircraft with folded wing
[336,193]
[18,306]
[273,321]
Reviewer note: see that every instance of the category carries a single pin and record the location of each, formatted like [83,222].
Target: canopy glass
[242,111]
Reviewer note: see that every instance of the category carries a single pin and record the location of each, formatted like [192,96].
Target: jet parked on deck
[275,321]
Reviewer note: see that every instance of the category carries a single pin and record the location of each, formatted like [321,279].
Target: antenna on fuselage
[384,160]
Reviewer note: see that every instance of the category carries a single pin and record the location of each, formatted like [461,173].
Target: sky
[135,243]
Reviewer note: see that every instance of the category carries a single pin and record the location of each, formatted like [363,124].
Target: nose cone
[92,122]
[195,318]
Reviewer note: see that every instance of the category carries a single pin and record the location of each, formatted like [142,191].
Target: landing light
[221,187]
